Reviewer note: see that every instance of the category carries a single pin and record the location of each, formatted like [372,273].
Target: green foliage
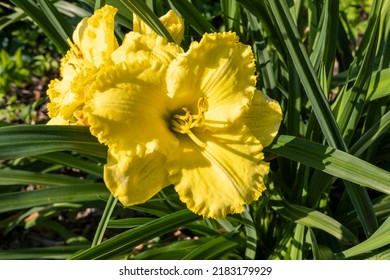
[328,193]
[12,71]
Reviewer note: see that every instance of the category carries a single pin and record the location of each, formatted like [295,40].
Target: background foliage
[326,61]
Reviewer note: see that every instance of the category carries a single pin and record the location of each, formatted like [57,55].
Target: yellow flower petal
[128,110]
[57,120]
[134,180]
[219,179]
[263,118]
[95,36]
[218,68]
[94,42]
[173,23]
[151,46]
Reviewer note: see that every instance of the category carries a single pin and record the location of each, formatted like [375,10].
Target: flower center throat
[184,123]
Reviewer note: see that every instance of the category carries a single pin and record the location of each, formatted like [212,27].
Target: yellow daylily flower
[194,120]
[93,43]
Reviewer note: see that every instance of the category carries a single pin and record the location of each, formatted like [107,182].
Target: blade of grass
[47,253]
[74,193]
[36,14]
[312,218]
[99,233]
[297,244]
[332,161]
[263,59]
[192,16]
[350,104]
[74,161]
[229,10]
[31,140]
[380,238]
[57,20]
[174,251]
[128,222]
[251,235]
[324,48]
[320,181]
[21,177]
[213,249]
[147,16]
[123,243]
[99,4]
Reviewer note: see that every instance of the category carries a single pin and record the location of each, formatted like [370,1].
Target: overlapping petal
[172,22]
[219,179]
[263,118]
[137,46]
[94,41]
[128,109]
[134,180]
[218,68]
[95,37]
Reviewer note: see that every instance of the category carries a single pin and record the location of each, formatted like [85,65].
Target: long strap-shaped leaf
[31,140]
[68,194]
[146,15]
[192,16]
[332,161]
[57,36]
[123,242]
[312,218]
[379,239]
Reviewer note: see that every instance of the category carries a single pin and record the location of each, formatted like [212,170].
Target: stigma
[184,123]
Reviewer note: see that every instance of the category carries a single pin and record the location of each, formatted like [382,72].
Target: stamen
[196,139]
[184,124]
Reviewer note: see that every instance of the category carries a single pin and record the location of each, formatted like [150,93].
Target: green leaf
[229,10]
[174,251]
[123,243]
[324,48]
[251,235]
[297,245]
[21,177]
[99,233]
[380,238]
[31,140]
[379,85]
[74,161]
[213,249]
[41,19]
[312,218]
[332,161]
[192,16]
[99,4]
[46,253]
[147,16]
[372,135]
[350,102]
[128,222]
[57,20]
[74,193]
